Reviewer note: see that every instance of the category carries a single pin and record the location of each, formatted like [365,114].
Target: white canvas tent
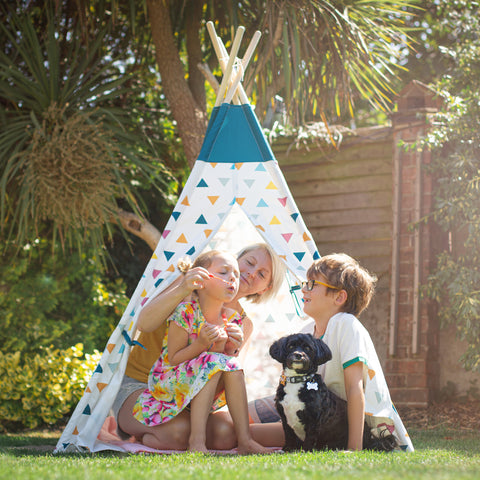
[235,195]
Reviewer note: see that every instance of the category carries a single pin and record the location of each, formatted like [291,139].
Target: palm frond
[344,50]
[67,149]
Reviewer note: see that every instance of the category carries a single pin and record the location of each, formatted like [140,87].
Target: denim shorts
[127,387]
[262,410]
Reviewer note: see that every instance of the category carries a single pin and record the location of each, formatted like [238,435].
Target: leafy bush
[455,145]
[58,301]
[42,388]
[69,155]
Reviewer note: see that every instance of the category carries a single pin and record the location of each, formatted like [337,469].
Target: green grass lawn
[440,454]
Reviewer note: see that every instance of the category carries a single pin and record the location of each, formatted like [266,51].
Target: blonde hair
[345,273]
[277,272]
[204,260]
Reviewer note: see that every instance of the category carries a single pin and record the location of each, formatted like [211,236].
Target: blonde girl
[197,368]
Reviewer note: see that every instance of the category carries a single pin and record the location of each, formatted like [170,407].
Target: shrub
[58,301]
[455,144]
[41,389]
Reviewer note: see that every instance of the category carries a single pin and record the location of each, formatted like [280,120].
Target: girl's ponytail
[184,264]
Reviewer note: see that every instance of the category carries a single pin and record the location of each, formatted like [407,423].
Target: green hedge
[41,389]
[58,301]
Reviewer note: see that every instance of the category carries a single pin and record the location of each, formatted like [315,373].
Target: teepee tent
[235,191]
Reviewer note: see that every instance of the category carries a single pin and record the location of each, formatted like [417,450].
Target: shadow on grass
[31,438]
[47,451]
[42,443]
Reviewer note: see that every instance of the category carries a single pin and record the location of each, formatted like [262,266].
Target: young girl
[261,274]
[197,364]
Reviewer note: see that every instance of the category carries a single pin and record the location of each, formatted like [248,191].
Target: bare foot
[250,446]
[197,443]
[197,447]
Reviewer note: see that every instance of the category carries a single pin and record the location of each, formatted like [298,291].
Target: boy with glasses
[338,289]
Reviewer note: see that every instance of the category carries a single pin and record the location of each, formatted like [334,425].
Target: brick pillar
[412,367]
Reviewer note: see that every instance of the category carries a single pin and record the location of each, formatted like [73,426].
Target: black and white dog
[313,417]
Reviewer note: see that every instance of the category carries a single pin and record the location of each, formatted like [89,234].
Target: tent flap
[236,171]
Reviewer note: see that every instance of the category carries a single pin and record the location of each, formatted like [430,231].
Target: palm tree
[75,141]
[320,56]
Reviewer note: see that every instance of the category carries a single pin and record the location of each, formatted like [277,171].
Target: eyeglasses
[309,284]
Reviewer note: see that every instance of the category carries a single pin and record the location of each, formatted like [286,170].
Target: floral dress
[171,388]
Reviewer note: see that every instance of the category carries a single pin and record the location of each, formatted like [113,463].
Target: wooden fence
[345,197]
[362,199]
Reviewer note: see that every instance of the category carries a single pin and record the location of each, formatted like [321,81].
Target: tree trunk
[190,117]
[139,227]
[196,81]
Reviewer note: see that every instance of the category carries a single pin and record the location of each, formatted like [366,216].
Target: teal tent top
[234,136]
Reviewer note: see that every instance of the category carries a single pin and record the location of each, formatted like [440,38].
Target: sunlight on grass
[439,455]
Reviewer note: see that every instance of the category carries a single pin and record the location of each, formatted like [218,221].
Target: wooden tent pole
[235,89]
[222,55]
[245,61]
[240,94]
[229,68]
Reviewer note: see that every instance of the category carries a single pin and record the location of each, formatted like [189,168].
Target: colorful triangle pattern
[211,191]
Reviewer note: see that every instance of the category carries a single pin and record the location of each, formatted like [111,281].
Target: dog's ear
[324,354]
[277,349]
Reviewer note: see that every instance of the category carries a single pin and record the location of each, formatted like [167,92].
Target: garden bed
[458,415]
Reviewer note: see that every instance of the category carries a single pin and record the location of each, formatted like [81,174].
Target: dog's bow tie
[297,379]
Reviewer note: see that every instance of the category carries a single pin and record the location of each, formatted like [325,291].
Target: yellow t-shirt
[141,360]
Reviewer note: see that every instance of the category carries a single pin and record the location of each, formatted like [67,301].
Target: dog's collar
[296,379]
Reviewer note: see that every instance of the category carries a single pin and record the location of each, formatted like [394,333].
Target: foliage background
[455,145]
[84,134]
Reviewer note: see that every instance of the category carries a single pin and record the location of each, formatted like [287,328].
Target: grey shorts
[127,387]
[262,410]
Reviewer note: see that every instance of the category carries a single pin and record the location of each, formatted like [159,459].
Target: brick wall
[362,199]
[412,368]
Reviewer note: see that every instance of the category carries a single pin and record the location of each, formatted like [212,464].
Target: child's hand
[235,333]
[235,339]
[209,334]
[222,335]
[195,279]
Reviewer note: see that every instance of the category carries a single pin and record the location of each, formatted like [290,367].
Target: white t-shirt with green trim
[350,342]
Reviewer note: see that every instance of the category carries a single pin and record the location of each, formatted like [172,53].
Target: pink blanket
[108,434]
